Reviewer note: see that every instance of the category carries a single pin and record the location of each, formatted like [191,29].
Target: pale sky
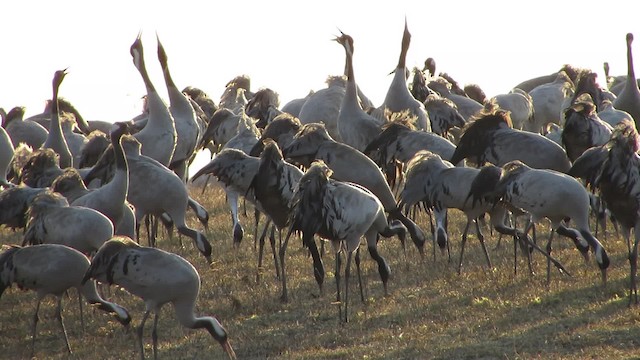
[285,45]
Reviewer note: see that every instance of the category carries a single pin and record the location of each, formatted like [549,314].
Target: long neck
[631,75]
[351,94]
[121,177]
[403,59]
[55,139]
[176,97]
[82,123]
[90,293]
[145,76]
[121,160]
[55,127]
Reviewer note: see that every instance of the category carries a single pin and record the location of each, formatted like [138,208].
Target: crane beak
[604,277]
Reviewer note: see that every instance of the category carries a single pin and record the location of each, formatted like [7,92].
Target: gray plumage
[157,277]
[184,116]
[110,198]
[24,131]
[490,138]
[615,170]
[441,186]
[467,107]
[264,107]
[629,98]
[51,270]
[282,130]
[235,170]
[52,221]
[519,103]
[583,129]
[398,97]
[158,137]
[14,203]
[55,138]
[348,164]
[168,193]
[6,156]
[548,100]
[443,114]
[41,168]
[611,115]
[342,213]
[556,196]
[357,128]
[324,106]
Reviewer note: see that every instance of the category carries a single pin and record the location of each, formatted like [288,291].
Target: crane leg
[33,328]
[59,317]
[154,334]
[272,241]
[464,241]
[484,246]
[261,251]
[139,332]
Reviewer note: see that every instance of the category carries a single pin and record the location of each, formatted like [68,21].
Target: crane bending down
[158,277]
[553,195]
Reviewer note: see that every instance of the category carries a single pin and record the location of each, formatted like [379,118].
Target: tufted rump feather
[274,184]
[41,168]
[619,177]
[583,129]
[14,203]
[477,136]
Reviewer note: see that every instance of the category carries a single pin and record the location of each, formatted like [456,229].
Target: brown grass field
[431,312]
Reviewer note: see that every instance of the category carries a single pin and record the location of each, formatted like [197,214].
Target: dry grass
[430,313]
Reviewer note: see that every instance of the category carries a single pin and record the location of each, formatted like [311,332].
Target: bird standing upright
[55,139]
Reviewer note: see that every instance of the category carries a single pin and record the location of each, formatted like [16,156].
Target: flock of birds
[329,165]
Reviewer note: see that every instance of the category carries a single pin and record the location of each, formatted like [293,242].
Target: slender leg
[464,241]
[59,317]
[238,231]
[359,274]
[527,250]
[549,258]
[446,226]
[206,183]
[433,234]
[337,276]
[318,266]
[347,271]
[484,247]
[154,334]
[272,241]
[140,330]
[633,260]
[283,249]
[33,328]
[81,312]
[147,225]
[261,251]
[515,255]
[530,226]
[257,222]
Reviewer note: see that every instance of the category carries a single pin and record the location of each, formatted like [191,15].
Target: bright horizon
[285,45]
